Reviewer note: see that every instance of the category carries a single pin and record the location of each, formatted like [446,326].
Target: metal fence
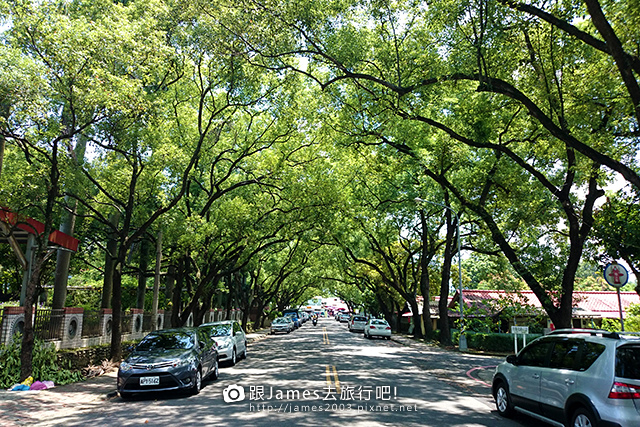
[48,323]
[146,321]
[91,323]
[125,322]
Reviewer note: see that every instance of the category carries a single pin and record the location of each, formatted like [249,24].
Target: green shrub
[45,365]
[498,342]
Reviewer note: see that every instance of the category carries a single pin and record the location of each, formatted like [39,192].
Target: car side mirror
[512,359]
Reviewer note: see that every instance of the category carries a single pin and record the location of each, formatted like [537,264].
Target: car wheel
[503,400]
[197,382]
[583,417]
[233,357]
[215,373]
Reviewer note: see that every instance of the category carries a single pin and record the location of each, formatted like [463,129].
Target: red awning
[23,226]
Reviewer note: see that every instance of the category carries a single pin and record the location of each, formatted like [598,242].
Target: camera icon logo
[233,393]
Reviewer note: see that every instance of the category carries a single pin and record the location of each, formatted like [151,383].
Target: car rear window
[360,319]
[628,362]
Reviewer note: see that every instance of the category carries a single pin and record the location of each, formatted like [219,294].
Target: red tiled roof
[604,303]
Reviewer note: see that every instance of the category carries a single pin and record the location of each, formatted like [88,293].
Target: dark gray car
[169,359]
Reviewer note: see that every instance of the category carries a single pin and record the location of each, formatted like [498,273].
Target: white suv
[574,378]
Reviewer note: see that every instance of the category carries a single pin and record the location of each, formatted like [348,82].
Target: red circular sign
[616,275]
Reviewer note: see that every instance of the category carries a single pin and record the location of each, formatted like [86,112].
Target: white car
[377,328]
[281,324]
[573,377]
[357,323]
[231,340]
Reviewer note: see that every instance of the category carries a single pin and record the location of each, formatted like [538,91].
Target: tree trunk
[170,282]
[116,303]
[62,262]
[142,276]
[156,284]
[177,292]
[28,337]
[68,227]
[109,260]
[425,319]
[417,319]
[444,323]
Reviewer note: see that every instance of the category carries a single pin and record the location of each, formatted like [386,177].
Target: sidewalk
[21,408]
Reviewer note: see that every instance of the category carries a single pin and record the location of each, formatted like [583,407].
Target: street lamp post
[463,339]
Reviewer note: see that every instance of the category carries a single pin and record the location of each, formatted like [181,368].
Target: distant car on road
[573,378]
[231,340]
[169,359]
[377,328]
[357,323]
[294,318]
[281,324]
[344,317]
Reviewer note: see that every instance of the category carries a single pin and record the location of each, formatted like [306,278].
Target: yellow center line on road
[335,376]
[329,369]
[325,336]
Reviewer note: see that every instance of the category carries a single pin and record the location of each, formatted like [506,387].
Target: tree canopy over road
[274,150]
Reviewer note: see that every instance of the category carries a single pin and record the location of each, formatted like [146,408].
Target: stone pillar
[72,327]
[136,320]
[12,323]
[106,321]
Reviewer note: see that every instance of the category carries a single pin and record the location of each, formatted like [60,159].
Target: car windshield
[167,341]
[281,320]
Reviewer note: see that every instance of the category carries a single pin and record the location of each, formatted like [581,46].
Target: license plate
[149,380]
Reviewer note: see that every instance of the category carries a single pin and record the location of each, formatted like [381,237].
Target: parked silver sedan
[281,324]
[231,340]
[377,328]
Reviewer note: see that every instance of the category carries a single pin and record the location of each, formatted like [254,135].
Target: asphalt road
[321,376]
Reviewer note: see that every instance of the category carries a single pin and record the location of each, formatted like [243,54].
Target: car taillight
[624,391]
[388,328]
[372,327]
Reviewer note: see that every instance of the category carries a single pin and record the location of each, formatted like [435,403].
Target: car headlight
[125,366]
[225,344]
[181,362]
